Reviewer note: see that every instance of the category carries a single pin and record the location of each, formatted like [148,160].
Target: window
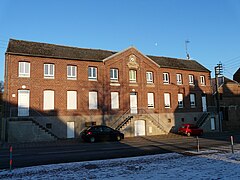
[114,100]
[133,76]
[114,74]
[202,80]
[192,100]
[92,73]
[180,100]
[167,100]
[71,99]
[71,72]
[49,70]
[24,69]
[165,78]
[149,77]
[150,100]
[191,79]
[93,100]
[179,78]
[48,100]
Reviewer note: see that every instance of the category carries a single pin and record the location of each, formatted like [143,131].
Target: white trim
[71,100]
[114,100]
[131,47]
[48,100]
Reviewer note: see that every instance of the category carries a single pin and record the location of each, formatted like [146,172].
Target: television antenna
[186,47]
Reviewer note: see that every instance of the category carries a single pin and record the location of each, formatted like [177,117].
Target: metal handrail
[122,116]
[154,120]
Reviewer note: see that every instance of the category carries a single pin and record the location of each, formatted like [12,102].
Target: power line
[231,59]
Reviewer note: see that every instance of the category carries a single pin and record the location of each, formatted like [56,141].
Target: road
[73,151]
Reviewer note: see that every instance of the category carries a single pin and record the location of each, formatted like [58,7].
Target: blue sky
[155,27]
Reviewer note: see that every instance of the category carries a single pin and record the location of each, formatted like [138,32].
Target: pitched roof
[178,63]
[56,51]
[28,48]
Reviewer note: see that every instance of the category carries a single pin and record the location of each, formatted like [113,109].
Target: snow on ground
[212,165]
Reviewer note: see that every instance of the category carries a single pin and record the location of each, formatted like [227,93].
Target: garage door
[139,128]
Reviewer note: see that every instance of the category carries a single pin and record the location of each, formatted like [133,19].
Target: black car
[101,133]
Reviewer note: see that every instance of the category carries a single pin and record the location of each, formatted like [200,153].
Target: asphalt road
[73,151]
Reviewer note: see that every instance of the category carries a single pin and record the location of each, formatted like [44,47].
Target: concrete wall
[26,131]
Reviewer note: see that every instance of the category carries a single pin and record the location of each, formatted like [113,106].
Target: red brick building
[64,89]
[229,102]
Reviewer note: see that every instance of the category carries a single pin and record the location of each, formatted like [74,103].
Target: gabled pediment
[132,62]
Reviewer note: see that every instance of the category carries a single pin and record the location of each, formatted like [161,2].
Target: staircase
[202,119]
[127,117]
[29,130]
[122,120]
[153,120]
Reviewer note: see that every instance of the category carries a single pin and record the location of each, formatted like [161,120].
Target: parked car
[190,129]
[101,133]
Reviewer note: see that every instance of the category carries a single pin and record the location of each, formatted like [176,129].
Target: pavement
[68,142]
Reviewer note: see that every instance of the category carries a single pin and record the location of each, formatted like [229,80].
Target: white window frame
[48,100]
[192,100]
[114,100]
[49,67]
[93,100]
[24,69]
[166,78]
[167,100]
[149,77]
[114,74]
[180,100]
[71,72]
[132,76]
[92,73]
[179,79]
[191,79]
[71,100]
[150,97]
[202,80]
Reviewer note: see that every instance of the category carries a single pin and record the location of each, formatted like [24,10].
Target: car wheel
[188,134]
[92,139]
[118,138]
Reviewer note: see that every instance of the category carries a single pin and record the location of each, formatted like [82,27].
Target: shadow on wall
[229,98]
[196,103]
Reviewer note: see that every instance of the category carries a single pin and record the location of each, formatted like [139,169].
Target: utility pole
[218,73]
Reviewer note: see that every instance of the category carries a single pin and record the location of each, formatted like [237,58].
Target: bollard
[10,161]
[232,144]
[198,146]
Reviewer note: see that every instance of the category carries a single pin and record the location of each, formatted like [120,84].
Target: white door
[133,103]
[23,102]
[139,128]
[204,103]
[70,130]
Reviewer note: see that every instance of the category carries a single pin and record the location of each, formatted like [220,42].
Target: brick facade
[229,98]
[171,118]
